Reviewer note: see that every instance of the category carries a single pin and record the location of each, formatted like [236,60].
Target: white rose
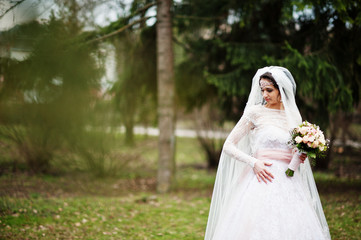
[304,130]
[298,139]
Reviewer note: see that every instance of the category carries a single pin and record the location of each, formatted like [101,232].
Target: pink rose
[305,139]
[315,144]
[311,138]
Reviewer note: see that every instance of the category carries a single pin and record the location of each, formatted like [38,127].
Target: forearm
[231,149]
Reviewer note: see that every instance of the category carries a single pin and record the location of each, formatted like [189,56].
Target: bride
[253,198]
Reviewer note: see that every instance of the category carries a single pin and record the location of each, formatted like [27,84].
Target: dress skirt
[278,210]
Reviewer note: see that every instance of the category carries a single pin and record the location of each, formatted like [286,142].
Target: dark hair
[268,76]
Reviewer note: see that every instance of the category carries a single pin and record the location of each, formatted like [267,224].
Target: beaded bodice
[265,128]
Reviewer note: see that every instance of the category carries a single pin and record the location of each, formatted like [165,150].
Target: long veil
[233,174]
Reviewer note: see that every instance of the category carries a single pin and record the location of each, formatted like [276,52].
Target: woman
[253,198]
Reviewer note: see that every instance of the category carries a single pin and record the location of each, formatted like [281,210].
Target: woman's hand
[302,157]
[260,169]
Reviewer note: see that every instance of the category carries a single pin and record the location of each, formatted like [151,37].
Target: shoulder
[254,109]
[252,112]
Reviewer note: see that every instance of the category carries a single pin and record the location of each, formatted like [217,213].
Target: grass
[134,216]
[343,213]
[115,212]
[77,206]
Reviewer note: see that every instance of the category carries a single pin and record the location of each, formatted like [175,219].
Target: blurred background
[79,103]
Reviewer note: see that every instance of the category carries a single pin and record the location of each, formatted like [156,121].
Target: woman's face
[270,94]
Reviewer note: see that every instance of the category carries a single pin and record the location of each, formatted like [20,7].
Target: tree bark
[165,81]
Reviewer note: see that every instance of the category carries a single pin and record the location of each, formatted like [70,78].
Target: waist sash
[283,155]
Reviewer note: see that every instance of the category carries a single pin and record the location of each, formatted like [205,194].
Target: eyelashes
[268,90]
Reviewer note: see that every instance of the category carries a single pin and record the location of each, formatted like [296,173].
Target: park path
[190,133]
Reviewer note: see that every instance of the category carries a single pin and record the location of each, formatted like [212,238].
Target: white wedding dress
[280,210]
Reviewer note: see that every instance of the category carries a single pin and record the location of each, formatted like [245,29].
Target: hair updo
[268,76]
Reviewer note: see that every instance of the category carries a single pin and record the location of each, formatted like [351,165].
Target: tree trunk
[165,80]
[129,133]
[212,152]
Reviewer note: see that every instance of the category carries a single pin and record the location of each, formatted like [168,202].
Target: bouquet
[306,138]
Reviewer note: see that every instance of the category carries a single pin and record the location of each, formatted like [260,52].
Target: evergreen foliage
[316,40]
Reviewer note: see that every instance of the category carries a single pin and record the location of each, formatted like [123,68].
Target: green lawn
[51,208]
[78,206]
[134,216]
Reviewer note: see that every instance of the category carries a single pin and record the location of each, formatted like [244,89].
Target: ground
[77,205]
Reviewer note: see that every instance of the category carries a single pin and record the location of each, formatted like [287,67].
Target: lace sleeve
[242,128]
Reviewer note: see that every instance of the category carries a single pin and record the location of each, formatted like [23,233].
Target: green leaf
[311,155]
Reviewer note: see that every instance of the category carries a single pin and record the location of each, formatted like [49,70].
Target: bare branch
[186,47]
[119,30]
[10,8]
[198,18]
[149,5]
